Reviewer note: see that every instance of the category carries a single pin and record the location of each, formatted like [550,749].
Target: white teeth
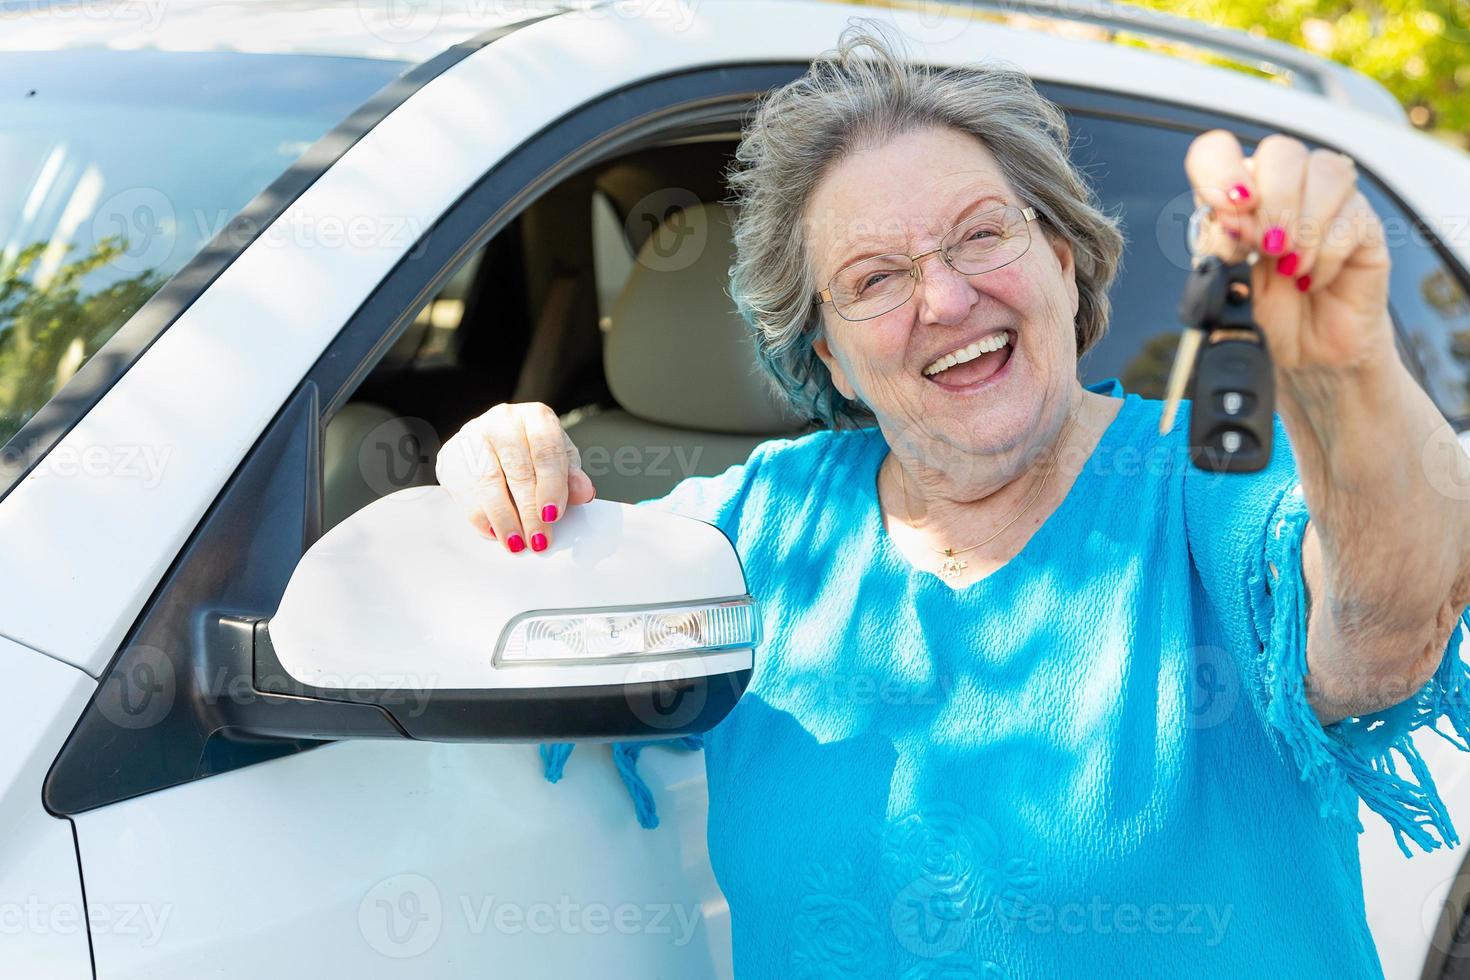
[982,346]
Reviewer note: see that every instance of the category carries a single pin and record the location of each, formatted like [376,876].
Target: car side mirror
[402,621]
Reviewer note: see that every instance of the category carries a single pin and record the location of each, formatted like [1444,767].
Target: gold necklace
[953,565]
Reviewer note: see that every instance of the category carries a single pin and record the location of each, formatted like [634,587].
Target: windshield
[118,167]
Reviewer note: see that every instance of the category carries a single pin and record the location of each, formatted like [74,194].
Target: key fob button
[1234,403]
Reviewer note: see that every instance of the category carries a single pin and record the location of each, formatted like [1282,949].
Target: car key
[1233,398]
[1202,294]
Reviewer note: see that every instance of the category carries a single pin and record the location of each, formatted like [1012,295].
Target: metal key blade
[1184,358]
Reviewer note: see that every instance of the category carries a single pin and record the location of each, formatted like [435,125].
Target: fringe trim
[1355,758]
[554,759]
[625,759]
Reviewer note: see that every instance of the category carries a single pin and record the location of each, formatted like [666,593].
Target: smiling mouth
[974,362]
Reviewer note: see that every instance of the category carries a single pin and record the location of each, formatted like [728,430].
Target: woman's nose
[944,295]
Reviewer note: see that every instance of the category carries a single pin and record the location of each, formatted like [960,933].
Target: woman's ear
[834,367]
[1063,249]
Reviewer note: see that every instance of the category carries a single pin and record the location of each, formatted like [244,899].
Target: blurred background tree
[53,323]
[1418,49]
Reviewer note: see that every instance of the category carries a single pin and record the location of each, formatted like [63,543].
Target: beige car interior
[690,398]
[629,333]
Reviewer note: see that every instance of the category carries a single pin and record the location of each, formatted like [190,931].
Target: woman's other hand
[514,471]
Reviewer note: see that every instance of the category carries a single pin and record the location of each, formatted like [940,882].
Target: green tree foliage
[1418,49]
[47,331]
[1148,373]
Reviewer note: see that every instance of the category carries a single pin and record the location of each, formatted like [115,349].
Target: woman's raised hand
[1321,282]
[514,471]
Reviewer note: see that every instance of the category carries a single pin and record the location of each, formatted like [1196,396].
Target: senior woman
[1038,698]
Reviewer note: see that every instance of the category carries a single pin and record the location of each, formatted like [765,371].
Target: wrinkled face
[904,196]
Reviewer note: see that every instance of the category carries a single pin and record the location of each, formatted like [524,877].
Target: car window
[1428,297]
[1138,171]
[120,166]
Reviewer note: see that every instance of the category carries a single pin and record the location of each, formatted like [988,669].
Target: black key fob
[1231,407]
[1234,393]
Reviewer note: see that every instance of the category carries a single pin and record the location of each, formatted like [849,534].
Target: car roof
[410,31]
[414,31]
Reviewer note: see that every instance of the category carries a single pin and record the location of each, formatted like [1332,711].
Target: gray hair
[846,102]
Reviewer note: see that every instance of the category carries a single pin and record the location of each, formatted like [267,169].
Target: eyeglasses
[980,243]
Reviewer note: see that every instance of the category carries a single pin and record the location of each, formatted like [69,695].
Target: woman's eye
[979,233]
[869,281]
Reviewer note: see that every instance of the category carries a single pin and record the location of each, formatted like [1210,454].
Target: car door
[43,912]
[363,858]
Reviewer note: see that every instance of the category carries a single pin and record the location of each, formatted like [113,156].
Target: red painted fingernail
[548,513]
[1287,264]
[1304,283]
[1274,242]
[492,534]
[515,543]
[538,542]
[1239,193]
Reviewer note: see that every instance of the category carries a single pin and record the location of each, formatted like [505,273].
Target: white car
[257,260]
